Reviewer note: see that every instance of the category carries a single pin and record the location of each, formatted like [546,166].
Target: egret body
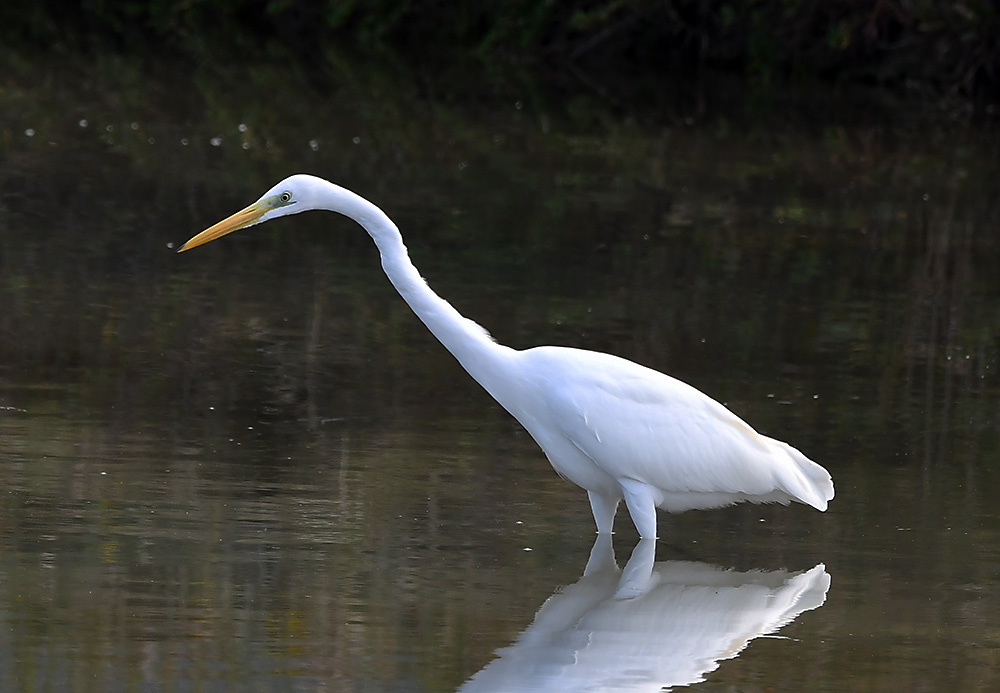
[616,429]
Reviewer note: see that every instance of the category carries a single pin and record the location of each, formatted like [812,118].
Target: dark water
[249,467]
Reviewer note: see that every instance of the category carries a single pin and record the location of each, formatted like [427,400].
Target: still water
[249,467]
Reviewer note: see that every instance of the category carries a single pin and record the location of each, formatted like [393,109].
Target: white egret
[617,429]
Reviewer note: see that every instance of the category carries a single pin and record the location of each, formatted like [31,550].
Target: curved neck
[478,353]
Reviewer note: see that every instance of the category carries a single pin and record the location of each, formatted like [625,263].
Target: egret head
[298,193]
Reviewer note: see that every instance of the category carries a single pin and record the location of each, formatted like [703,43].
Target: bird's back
[638,424]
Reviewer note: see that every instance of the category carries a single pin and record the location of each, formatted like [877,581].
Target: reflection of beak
[240,220]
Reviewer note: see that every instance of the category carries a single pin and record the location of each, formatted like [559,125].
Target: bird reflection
[649,626]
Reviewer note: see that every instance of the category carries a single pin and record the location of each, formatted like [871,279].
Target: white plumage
[613,427]
[650,627]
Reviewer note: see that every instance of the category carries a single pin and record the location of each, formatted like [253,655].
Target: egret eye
[285,197]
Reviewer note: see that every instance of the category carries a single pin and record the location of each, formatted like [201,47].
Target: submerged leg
[641,507]
[604,508]
[602,556]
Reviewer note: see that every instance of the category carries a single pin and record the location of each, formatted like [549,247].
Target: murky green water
[249,467]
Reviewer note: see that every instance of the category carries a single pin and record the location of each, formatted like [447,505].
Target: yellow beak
[240,220]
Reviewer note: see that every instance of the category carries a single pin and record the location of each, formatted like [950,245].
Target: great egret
[613,427]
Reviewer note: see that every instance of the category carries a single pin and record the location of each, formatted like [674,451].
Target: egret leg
[604,508]
[641,506]
[602,556]
[636,578]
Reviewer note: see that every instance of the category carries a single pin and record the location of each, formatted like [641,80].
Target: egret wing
[639,424]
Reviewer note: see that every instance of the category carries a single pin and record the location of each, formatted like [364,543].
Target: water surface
[249,467]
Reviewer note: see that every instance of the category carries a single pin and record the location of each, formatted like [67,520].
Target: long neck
[468,342]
